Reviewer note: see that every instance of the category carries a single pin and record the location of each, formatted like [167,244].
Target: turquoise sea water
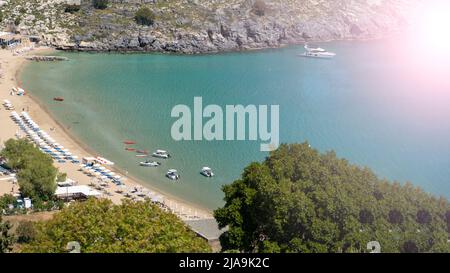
[381,108]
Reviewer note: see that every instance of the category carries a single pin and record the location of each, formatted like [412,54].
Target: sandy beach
[10,66]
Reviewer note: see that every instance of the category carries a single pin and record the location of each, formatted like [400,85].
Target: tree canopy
[102,227]
[36,174]
[7,240]
[299,200]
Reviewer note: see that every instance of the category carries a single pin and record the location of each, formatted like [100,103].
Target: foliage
[100,226]
[6,238]
[6,200]
[25,232]
[259,7]
[36,174]
[299,200]
[144,16]
[100,4]
[61,177]
[17,21]
[71,8]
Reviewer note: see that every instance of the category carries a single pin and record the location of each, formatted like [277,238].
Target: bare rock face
[204,26]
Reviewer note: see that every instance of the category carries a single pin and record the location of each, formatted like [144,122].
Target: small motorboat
[207,172]
[161,154]
[150,164]
[130,149]
[141,155]
[173,174]
[58,99]
[142,152]
[129,142]
[317,52]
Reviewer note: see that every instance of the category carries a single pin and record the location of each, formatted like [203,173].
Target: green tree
[100,4]
[144,16]
[100,226]
[7,200]
[36,174]
[299,200]
[7,240]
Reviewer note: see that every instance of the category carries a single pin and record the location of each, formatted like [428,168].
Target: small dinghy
[150,164]
[207,172]
[173,175]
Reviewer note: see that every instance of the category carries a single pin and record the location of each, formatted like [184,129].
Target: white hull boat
[207,172]
[317,52]
[161,154]
[173,175]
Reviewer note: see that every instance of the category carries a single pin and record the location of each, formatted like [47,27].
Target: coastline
[44,118]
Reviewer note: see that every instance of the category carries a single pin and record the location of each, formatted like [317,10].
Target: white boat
[317,52]
[206,171]
[173,174]
[150,164]
[161,154]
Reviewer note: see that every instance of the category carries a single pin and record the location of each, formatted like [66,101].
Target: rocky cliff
[202,26]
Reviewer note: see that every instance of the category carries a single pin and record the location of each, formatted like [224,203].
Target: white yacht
[173,174]
[150,164]
[206,171]
[161,154]
[317,52]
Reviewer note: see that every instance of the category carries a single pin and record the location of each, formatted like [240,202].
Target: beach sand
[10,66]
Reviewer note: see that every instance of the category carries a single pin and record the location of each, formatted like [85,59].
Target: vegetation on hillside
[100,4]
[7,240]
[36,174]
[144,16]
[299,200]
[99,226]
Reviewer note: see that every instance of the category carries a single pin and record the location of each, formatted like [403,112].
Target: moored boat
[58,99]
[161,154]
[173,174]
[149,164]
[207,172]
[317,52]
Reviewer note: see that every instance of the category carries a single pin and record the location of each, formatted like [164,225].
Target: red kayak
[130,149]
[129,142]
[58,99]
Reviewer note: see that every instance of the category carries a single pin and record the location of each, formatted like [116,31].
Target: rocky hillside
[200,26]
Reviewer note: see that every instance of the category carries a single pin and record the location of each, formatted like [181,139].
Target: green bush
[25,232]
[72,8]
[144,16]
[100,4]
[17,21]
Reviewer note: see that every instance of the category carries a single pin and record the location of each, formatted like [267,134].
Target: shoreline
[46,120]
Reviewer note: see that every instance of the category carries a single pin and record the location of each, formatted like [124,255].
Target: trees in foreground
[7,240]
[101,226]
[299,200]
